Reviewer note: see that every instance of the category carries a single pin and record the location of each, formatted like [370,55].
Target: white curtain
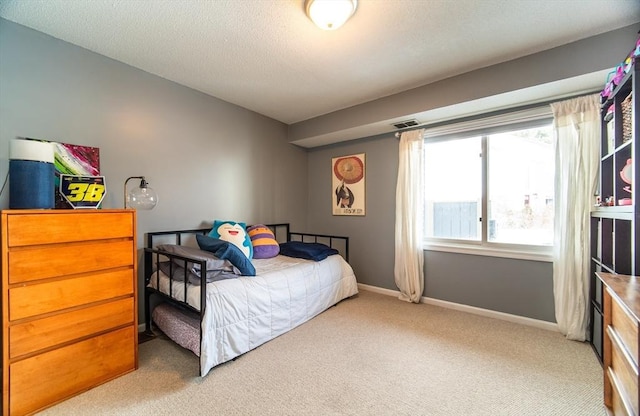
[577,127]
[409,256]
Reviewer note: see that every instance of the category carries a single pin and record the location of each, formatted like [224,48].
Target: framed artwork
[348,183]
[78,161]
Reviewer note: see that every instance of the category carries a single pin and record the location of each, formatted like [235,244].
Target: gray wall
[206,158]
[371,236]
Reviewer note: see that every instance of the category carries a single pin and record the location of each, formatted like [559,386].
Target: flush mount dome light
[330,14]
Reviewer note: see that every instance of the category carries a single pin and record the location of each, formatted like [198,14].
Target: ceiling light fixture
[330,14]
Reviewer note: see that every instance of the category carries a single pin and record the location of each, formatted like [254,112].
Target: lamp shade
[330,14]
[141,197]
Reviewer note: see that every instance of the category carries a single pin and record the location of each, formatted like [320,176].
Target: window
[453,188]
[520,187]
[491,188]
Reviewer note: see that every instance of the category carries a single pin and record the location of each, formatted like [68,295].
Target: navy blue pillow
[309,251]
[227,251]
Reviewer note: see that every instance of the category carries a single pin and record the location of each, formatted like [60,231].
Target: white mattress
[246,312]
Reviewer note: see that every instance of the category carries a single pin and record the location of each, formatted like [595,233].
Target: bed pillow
[227,251]
[309,251]
[213,262]
[233,232]
[177,273]
[263,241]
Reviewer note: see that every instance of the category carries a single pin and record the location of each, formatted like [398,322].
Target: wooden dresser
[620,346]
[69,303]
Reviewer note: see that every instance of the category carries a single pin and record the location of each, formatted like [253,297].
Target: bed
[240,313]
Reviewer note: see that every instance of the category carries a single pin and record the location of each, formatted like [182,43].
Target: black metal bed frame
[152,255]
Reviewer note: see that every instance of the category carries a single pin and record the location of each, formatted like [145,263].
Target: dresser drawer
[625,371]
[56,375]
[626,327]
[53,296]
[30,337]
[38,228]
[618,404]
[60,260]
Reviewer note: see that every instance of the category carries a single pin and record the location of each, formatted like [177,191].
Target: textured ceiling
[267,56]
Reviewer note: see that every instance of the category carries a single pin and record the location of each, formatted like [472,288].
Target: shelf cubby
[615,240]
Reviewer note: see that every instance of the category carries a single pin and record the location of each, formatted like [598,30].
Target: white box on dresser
[69,303]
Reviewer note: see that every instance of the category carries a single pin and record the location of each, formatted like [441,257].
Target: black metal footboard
[152,257]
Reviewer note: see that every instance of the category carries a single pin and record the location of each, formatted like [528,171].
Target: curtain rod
[494,113]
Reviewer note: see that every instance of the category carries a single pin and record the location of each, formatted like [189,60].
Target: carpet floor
[369,355]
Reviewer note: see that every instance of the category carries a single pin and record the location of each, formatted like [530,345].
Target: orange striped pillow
[264,242]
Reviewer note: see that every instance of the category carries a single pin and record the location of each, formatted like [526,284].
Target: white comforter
[246,312]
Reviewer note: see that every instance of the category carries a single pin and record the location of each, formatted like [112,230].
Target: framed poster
[348,180]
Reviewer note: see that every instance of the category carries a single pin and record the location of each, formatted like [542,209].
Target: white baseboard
[550,326]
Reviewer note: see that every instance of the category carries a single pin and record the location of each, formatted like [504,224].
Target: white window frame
[483,126]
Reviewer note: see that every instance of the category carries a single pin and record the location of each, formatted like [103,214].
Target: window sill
[543,254]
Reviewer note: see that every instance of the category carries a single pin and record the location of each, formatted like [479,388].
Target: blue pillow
[233,232]
[308,251]
[227,251]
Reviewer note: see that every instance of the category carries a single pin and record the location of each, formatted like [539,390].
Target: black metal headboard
[281,232]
